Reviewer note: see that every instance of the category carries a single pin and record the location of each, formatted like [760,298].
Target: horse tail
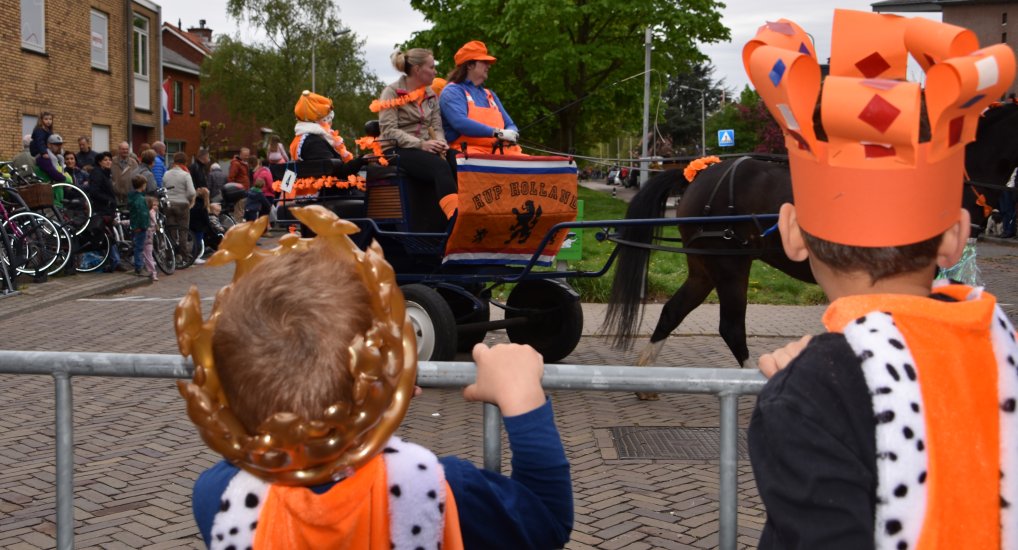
[625,311]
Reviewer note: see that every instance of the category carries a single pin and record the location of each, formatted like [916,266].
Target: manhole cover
[672,443]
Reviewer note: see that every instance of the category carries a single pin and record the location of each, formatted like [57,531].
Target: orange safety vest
[490,116]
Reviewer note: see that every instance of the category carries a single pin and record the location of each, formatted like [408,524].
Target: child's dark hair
[878,262]
[139,182]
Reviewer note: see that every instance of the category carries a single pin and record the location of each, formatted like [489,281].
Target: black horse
[744,186]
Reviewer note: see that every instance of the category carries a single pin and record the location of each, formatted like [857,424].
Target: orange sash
[352,515]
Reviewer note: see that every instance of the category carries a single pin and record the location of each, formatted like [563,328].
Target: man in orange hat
[896,428]
[471,113]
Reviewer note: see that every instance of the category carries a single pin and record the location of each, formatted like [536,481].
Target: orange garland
[414,96]
[307,186]
[372,144]
[694,167]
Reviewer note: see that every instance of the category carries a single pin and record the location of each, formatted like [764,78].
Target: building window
[190,90]
[28,123]
[142,89]
[100,137]
[33,25]
[1003,18]
[100,40]
[174,147]
[1003,38]
[178,96]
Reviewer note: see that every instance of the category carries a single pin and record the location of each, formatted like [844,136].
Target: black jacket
[100,191]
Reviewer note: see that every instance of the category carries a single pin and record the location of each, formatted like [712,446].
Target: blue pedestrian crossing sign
[726,138]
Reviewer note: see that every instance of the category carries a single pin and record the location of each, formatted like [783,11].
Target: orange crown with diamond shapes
[871,182]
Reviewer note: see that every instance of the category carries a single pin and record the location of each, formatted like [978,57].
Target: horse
[743,186]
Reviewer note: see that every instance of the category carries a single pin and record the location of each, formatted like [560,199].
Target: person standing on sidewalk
[180,192]
[138,209]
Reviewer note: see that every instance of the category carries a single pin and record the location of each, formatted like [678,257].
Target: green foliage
[553,53]
[755,128]
[683,109]
[263,81]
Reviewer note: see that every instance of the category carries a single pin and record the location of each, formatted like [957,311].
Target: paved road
[137,454]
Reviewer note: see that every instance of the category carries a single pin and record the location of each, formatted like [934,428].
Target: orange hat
[871,183]
[312,107]
[475,50]
[438,85]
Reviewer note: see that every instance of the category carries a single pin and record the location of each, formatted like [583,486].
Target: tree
[683,119]
[563,65]
[264,80]
[755,129]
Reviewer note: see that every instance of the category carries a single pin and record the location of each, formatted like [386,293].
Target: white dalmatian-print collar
[889,369]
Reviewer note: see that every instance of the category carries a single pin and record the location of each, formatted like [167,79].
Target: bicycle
[33,243]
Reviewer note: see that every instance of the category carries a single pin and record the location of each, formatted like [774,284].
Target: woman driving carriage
[412,124]
[471,113]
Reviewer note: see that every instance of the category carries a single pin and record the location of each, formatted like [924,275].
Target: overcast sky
[743,17]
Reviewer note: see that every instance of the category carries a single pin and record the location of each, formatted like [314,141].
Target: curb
[40,296]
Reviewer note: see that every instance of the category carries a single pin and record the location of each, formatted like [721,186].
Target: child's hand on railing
[508,375]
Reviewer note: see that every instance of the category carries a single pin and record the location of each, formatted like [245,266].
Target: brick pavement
[137,455]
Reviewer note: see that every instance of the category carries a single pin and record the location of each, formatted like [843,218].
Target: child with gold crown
[896,428]
[305,418]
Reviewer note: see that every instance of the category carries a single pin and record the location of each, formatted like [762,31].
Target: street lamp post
[703,118]
[314,46]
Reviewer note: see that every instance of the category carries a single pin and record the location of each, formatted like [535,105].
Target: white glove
[512,136]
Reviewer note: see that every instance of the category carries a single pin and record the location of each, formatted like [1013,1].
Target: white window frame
[35,9]
[140,62]
[178,97]
[100,137]
[99,39]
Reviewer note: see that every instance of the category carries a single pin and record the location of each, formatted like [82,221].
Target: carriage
[514,216]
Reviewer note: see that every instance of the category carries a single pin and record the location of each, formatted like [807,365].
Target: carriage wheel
[465,311]
[434,324]
[555,317]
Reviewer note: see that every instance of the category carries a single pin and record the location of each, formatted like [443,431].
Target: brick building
[183,54]
[95,65]
[987,18]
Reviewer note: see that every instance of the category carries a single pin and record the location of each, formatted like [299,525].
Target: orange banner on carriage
[507,204]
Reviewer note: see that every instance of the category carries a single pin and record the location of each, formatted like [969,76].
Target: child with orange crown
[305,418]
[897,428]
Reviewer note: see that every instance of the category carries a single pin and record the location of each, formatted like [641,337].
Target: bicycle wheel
[77,208]
[67,246]
[40,238]
[199,247]
[162,250]
[93,254]
[227,220]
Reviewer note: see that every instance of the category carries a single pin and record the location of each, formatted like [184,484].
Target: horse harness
[728,233]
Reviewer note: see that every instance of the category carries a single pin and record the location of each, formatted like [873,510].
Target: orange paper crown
[872,183]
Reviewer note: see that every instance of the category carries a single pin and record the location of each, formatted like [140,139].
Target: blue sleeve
[509,124]
[158,170]
[531,509]
[208,492]
[454,115]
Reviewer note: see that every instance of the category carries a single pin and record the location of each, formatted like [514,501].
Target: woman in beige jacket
[410,119]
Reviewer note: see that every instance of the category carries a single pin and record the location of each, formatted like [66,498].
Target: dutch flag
[166,101]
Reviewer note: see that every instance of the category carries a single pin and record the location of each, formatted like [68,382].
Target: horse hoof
[647,396]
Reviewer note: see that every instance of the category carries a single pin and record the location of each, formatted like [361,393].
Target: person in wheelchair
[472,114]
[411,124]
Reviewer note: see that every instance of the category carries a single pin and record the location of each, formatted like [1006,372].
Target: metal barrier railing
[727,384]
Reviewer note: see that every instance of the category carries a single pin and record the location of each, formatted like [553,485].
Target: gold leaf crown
[871,183]
[288,449]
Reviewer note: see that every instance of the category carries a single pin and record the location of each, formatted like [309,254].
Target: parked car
[613,177]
